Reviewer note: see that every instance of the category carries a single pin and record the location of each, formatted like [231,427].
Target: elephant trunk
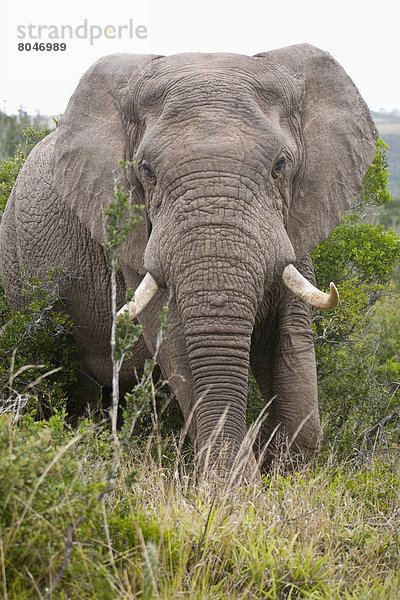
[218,283]
[219,359]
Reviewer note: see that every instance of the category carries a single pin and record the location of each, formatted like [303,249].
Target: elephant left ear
[339,139]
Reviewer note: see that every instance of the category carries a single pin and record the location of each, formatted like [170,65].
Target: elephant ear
[95,132]
[339,139]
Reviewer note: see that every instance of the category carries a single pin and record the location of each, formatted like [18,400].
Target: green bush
[356,249]
[375,184]
[38,358]
[62,516]
[359,396]
[12,129]
[9,169]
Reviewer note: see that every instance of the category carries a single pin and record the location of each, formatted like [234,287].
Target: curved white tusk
[143,294]
[300,286]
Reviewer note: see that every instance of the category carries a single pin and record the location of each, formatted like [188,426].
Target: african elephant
[244,164]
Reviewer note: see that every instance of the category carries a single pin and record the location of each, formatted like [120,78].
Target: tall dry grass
[161,531]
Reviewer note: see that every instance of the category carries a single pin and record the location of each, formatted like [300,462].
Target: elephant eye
[148,172]
[279,167]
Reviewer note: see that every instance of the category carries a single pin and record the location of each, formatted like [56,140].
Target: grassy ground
[68,530]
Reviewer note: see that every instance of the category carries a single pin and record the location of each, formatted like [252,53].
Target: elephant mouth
[291,277]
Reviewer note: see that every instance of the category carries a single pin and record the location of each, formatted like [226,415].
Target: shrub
[9,169]
[38,358]
[359,397]
[61,516]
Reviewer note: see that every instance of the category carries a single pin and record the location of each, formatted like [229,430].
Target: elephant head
[244,164]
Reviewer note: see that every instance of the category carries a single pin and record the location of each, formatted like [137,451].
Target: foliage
[38,359]
[41,492]
[52,484]
[12,129]
[357,250]
[358,381]
[38,367]
[328,532]
[121,220]
[374,190]
[9,169]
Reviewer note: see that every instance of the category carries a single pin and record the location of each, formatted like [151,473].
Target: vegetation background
[87,514]
[388,124]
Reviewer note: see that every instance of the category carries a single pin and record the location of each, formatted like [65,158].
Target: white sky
[362,35]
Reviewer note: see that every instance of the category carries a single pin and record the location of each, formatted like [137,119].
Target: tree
[12,129]
[359,396]
[9,169]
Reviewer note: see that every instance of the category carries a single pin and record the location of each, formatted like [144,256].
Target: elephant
[243,165]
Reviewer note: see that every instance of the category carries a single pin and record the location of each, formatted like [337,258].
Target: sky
[362,35]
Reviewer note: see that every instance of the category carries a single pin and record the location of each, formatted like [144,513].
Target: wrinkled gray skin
[224,215]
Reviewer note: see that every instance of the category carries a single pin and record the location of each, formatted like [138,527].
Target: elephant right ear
[93,136]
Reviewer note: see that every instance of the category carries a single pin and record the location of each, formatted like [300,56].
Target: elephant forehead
[208,78]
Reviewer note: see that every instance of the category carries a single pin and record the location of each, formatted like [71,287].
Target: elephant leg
[295,386]
[261,361]
[9,259]
[287,373]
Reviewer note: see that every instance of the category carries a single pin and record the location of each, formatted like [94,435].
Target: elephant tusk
[143,294]
[300,286]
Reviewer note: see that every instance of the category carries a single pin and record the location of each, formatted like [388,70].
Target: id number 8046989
[42,47]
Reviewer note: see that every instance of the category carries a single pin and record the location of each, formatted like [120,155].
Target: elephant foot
[283,453]
[228,464]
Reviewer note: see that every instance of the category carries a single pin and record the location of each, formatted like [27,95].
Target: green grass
[331,531]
